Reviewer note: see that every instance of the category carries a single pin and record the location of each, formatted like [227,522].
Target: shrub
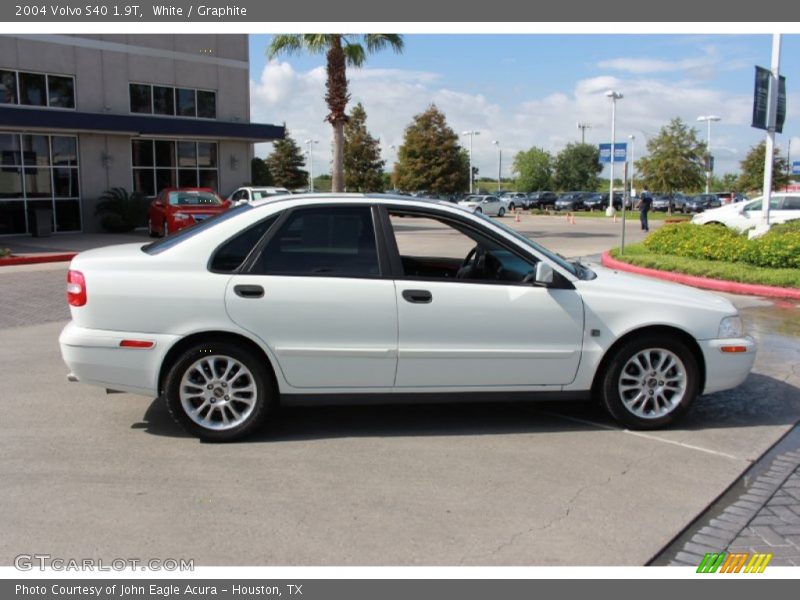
[120,211]
[779,248]
[5,252]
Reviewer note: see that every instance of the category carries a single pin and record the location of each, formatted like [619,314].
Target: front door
[467,318]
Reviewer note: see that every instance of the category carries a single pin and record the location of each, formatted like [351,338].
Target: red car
[176,208]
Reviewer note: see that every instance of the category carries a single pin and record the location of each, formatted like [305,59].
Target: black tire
[501,212]
[511,206]
[478,210]
[265,391]
[609,383]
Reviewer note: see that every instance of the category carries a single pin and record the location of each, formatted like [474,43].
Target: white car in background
[330,299]
[784,206]
[250,194]
[488,205]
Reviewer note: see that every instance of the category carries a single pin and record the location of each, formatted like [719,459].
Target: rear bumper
[95,357]
[725,370]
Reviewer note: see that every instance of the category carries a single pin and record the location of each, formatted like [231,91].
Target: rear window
[184,234]
[193,198]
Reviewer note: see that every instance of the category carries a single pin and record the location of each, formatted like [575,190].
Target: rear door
[316,296]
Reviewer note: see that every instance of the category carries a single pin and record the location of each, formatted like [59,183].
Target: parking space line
[644,435]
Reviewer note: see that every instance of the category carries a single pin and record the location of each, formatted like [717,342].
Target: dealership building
[80,114]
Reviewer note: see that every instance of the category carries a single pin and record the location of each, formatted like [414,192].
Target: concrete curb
[718,285]
[36,259]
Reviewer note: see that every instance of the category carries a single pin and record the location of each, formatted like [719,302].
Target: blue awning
[19,118]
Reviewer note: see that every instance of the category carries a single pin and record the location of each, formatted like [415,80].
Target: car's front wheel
[501,212]
[219,391]
[650,382]
[512,206]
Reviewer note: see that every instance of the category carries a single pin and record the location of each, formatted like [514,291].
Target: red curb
[33,259]
[718,285]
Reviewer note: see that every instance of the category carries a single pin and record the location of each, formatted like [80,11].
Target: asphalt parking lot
[87,474]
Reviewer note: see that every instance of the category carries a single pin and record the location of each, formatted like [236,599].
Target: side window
[237,196]
[230,255]
[430,248]
[334,241]
[791,203]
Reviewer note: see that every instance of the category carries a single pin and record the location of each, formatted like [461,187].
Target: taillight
[76,288]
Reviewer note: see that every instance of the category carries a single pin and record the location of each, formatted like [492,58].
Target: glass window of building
[158,164]
[39,171]
[32,89]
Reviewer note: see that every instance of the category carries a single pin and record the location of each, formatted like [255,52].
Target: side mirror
[544,273]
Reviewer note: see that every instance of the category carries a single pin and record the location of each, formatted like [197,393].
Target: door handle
[248,291]
[418,296]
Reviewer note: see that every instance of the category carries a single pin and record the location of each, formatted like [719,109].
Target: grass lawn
[638,254]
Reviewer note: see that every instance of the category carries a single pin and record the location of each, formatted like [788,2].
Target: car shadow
[759,401]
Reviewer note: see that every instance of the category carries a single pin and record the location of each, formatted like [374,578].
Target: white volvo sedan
[344,299]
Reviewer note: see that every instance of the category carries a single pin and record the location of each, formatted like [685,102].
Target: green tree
[752,176]
[534,170]
[576,167]
[259,172]
[725,183]
[285,164]
[430,158]
[363,165]
[675,160]
[340,50]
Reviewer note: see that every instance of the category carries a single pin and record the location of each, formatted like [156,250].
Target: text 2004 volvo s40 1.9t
[343,299]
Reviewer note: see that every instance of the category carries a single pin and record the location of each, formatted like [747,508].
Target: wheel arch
[198,337]
[682,335]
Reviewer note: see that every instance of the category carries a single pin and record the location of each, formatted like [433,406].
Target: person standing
[645,202]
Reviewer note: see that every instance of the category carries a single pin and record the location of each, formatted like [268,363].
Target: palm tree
[340,50]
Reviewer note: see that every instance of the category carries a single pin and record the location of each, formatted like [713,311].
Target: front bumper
[94,356]
[726,370]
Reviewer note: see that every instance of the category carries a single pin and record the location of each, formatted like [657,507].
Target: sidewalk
[759,513]
[61,247]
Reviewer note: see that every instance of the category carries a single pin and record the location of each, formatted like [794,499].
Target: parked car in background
[599,201]
[571,201]
[515,200]
[176,208]
[679,202]
[661,202]
[784,206]
[248,194]
[701,202]
[488,205]
[731,197]
[316,299]
[542,199]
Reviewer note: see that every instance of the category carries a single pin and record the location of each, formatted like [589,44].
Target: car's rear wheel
[501,212]
[219,391]
[650,382]
[478,210]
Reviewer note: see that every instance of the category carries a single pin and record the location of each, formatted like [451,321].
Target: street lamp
[393,148]
[309,144]
[632,138]
[471,135]
[614,96]
[499,162]
[583,127]
[708,119]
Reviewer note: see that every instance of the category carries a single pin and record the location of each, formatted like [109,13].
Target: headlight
[731,327]
[181,216]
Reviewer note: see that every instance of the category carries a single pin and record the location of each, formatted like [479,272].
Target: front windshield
[556,258]
[193,198]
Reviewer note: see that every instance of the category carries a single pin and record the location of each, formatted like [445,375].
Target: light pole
[583,127]
[632,138]
[309,144]
[499,162]
[393,148]
[614,96]
[471,134]
[708,119]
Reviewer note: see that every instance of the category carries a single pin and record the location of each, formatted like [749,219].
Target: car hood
[468,203]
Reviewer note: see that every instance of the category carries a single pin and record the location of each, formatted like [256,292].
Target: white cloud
[392,96]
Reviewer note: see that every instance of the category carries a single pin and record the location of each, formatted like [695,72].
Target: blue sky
[530,90]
